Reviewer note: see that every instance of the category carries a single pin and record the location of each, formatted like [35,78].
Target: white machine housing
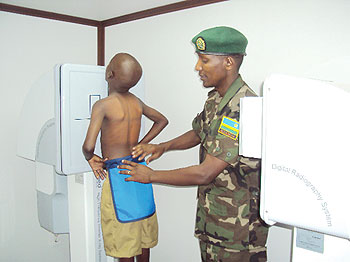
[304,147]
[78,88]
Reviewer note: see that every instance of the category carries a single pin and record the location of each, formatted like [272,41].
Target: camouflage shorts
[211,253]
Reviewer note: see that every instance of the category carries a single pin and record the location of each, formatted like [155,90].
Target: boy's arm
[160,122]
[97,116]
[96,163]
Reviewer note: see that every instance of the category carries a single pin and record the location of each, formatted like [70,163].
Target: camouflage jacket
[227,212]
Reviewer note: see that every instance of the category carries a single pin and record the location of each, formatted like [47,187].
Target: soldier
[228,225]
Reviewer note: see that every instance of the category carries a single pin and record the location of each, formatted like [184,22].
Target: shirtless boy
[118,117]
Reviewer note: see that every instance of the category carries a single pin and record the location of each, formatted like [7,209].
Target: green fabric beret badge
[200,44]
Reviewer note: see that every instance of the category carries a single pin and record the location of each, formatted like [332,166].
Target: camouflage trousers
[211,253]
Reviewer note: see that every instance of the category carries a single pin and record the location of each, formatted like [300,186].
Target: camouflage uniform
[227,213]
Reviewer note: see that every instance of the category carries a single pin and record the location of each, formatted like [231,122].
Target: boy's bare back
[118,116]
[121,124]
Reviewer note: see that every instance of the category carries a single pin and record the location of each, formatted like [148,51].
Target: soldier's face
[211,69]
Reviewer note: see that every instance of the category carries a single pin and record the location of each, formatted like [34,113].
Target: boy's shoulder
[114,99]
[101,104]
[108,99]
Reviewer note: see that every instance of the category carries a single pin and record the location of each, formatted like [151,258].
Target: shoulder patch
[229,127]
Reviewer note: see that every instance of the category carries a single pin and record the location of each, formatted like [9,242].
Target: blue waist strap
[113,163]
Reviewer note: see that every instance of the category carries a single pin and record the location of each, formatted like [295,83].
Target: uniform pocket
[226,222]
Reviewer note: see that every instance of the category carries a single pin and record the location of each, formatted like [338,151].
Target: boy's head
[123,72]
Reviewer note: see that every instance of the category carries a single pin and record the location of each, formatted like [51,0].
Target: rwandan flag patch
[229,127]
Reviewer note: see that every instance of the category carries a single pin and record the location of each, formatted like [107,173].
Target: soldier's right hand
[143,150]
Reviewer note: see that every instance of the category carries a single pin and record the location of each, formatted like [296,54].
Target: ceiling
[91,9]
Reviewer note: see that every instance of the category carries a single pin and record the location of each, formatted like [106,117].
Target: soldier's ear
[233,62]
[229,62]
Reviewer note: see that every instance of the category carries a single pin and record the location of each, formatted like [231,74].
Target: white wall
[30,47]
[284,36]
[291,37]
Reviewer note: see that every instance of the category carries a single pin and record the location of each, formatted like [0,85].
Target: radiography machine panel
[78,88]
[306,144]
[305,151]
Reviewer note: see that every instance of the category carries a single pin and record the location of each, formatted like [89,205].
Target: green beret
[220,41]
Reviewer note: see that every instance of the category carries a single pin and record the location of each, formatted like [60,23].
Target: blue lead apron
[132,201]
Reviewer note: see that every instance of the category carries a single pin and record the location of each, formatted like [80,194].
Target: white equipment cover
[305,152]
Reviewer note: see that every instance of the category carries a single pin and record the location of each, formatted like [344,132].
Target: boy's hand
[138,173]
[97,163]
[143,150]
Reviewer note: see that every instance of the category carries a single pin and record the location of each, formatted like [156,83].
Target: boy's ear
[110,74]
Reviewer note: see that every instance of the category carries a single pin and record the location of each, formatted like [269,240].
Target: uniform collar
[236,85]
